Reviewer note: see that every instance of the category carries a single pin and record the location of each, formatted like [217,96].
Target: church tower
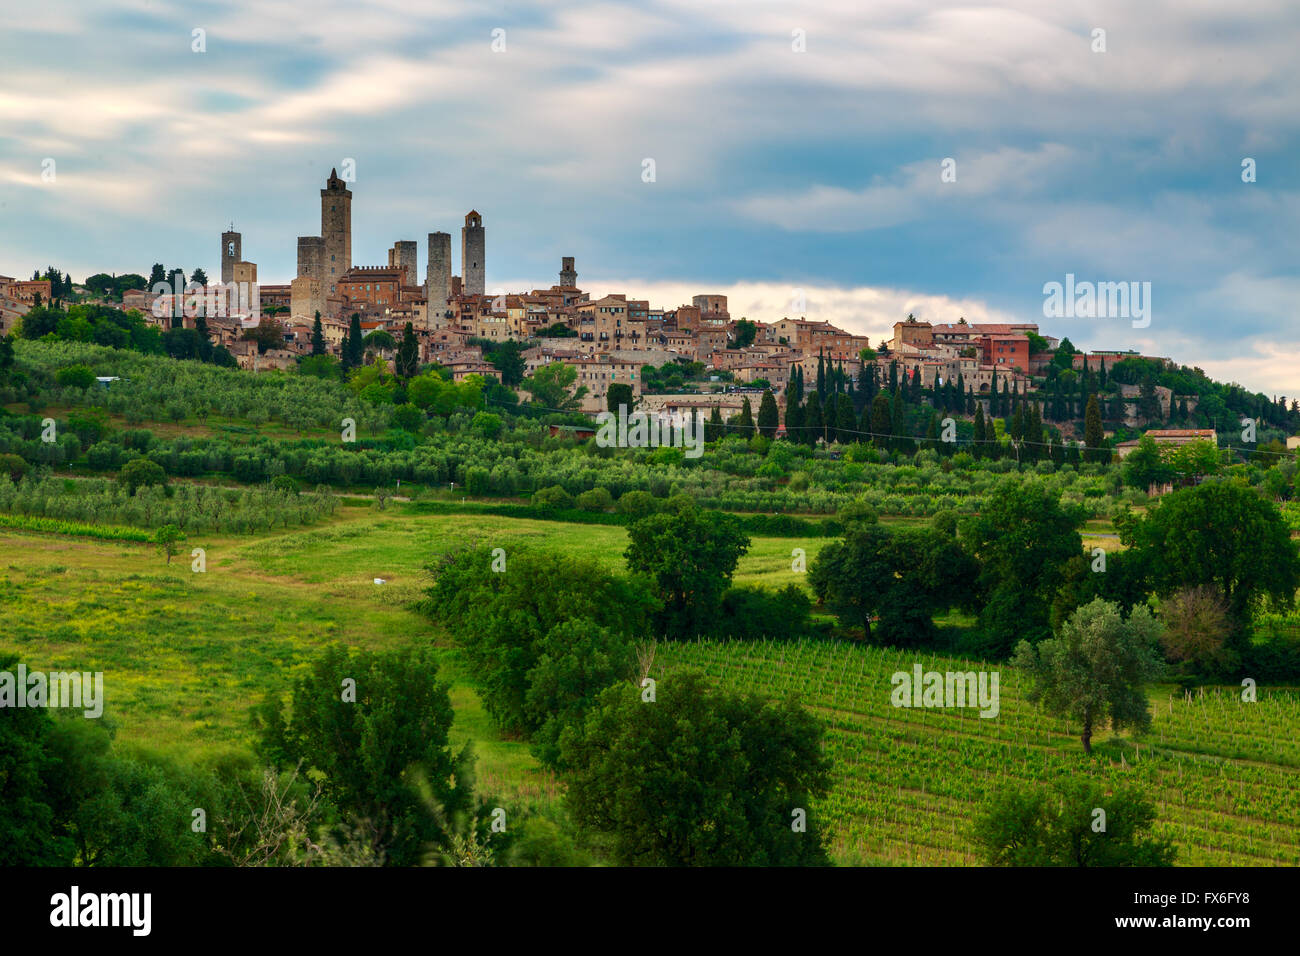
[231,252]
[568,274]
[336,229]
[471,254]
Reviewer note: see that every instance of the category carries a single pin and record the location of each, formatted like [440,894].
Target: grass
[186,655]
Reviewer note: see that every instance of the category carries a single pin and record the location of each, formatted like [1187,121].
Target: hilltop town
[610,339]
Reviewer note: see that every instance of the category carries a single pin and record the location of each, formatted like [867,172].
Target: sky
[845,160]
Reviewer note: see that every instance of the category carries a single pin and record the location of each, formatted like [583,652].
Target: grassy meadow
[185,656]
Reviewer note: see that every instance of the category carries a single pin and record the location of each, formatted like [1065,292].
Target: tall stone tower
[437,282]
[568,275]
[231,252]
[336,229]
[311,257]
[402,256]
[471,254]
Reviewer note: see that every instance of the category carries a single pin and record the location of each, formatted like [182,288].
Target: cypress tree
[821,376]
[1093,436]
[743,424]
[881,424]
[814,425]
[846,422]
[317,337]
[978,448]
[408,354]
[932,432]
[768,416]
[898,423]
[355,340]
[714,428]
[893,376]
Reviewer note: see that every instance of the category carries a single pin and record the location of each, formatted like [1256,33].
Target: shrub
[637,505]
[75,376]
[140,472]
[597,499]
[552,497]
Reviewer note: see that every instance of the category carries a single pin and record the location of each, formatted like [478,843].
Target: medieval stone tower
[307,291]
[471,254]
[336,229]
[568,275]
[402,256]
[231,252]
[437,282]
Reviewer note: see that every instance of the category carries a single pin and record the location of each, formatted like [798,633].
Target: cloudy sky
[798,148]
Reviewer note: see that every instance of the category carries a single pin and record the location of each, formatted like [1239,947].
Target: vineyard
[1225,775]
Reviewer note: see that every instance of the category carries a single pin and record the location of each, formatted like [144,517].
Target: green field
[185,656]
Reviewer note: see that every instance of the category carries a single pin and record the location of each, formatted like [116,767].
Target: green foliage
[168,539]
[1097,668]
[550,385]
[691,555]
[1218,534]
[1023,538]
[75,376]
[141,472]
[619,395]
[904,577]
[504,610]
[1060,827]
[375,727]
[699,777]
[751,612]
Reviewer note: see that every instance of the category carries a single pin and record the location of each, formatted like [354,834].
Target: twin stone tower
[324,259]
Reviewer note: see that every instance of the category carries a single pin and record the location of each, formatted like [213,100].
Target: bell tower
[336,229]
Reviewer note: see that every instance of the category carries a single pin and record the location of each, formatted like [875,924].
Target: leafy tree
[199,276]
[691,555]
[268,334]
[905,577]
[13,466]
[743,333]
[379,340]
[550,385]
[1097,668]
[169,539]
[139,472]
[619,395]
[700,777]
[1023,538]
[1146,466]
[1221,535]
[75,376]
[407,362]
[408,417]
[1037,827]
[27,768]
[375,727]
[509,621]
[1196,624]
